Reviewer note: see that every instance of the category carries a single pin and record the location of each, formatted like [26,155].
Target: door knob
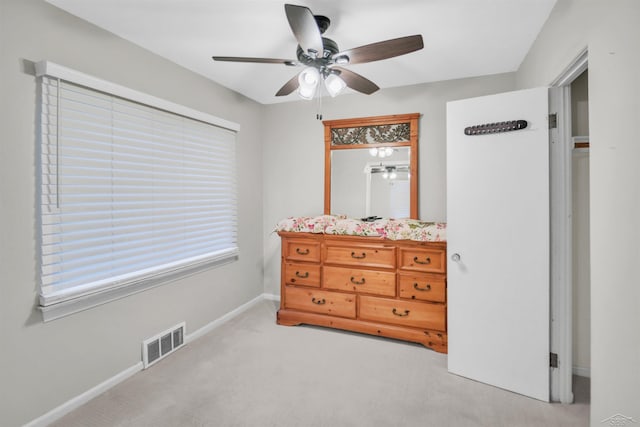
[455,257]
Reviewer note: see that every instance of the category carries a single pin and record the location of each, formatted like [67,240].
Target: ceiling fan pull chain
[319,101]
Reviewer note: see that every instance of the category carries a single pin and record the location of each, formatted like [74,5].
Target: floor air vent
[159,346]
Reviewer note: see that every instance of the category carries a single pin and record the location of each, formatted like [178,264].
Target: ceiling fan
[323,60]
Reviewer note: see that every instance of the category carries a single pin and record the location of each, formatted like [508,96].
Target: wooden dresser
[395,289]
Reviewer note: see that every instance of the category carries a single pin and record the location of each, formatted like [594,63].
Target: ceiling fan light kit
[334,84]
[323,59]
[381,152]
[307,82]
[342,59]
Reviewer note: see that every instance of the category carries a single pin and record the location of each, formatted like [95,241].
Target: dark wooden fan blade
[356,81]
[289,86]
[383,50]
[304,28]
[258,60]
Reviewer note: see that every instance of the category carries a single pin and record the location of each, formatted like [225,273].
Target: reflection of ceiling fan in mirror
[388,170]
[324,61]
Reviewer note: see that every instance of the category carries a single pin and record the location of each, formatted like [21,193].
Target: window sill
[76,305]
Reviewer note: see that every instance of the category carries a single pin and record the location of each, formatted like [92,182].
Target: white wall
[43,365]
[294,150]
[611,32]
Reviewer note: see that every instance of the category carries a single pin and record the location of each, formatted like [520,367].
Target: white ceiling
[462,38]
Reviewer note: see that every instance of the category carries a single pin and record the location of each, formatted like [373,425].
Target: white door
[498,243]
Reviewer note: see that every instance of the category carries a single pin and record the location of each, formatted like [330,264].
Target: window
[134,191]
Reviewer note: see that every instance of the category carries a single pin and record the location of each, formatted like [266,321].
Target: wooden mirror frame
[371,122]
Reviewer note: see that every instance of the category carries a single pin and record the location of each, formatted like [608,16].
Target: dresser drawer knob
[417,261]
[354,255]
[418,288]
[318,301]
[357,282]
[302,276]
[406,313]
[302,252]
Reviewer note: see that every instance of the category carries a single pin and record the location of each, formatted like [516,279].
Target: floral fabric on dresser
[304,224]
[389,228]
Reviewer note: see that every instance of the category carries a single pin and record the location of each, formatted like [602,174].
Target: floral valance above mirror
[375,134]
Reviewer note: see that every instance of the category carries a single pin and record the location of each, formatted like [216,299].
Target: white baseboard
[221,320]
[271,297]
[582,372]
[74,403]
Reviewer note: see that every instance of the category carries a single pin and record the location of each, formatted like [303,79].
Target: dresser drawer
[406,313]
[302,274]
[423,259]
[322,302]
[425,287]
[360,280]
[366,256]
[301,250]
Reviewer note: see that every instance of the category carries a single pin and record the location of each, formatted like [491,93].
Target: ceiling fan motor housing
[323,22]
[330,48]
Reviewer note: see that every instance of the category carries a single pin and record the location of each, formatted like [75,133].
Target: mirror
[371,167]
[377,186]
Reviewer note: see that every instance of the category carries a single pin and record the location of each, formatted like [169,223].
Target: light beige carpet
[252,372]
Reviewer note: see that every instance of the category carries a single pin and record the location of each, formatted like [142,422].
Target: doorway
[570,305]
[580,214]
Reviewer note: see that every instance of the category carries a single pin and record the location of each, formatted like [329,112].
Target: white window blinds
[130,193]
